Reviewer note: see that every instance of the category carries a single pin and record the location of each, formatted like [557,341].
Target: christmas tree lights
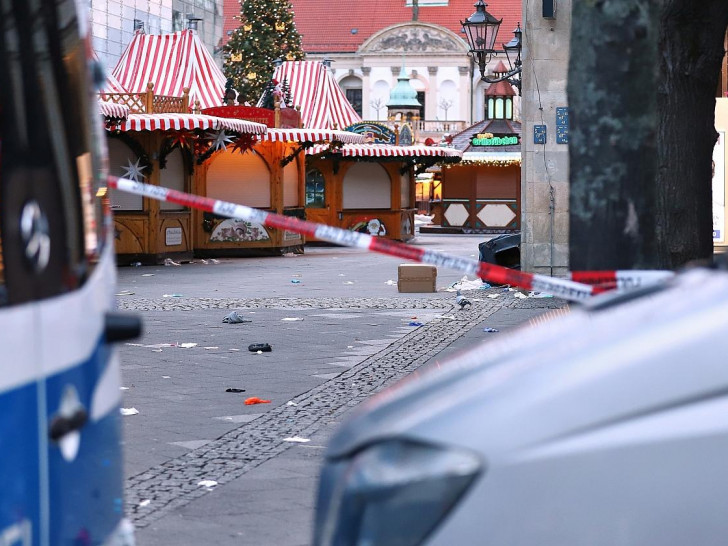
[267,32]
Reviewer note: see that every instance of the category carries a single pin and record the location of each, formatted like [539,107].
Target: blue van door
[61,476]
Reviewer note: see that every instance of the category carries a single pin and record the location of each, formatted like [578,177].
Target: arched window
[315,189]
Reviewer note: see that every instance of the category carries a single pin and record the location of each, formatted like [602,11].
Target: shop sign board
[491,139]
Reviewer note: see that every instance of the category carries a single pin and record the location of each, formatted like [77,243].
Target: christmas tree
[267,32]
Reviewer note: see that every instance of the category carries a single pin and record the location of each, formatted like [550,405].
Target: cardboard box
[416,278]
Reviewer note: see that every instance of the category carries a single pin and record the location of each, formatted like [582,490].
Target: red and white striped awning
[180,122]
[385,150]
[171,62]
[313,88]
[113,110]
[312,135]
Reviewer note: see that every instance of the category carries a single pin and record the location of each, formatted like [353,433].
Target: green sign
[489,139]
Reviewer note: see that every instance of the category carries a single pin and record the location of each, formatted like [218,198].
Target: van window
[51,219]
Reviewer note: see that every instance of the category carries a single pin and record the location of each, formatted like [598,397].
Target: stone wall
[545,168]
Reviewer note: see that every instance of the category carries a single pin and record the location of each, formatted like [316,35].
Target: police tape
[626,279]
[563,288]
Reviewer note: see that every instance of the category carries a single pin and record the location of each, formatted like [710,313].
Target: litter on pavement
[145,502]
[125,293]
[390,282]
[172,296]
[148,275]
[291,403]
[415,323]
[234,389]
[187,345]
[170,261]
[296,439]
[467,284]
[263,347]
[207,483]
[129,411]
[296,281]
[291,319]
[235,318]
[490,330]
[255,400]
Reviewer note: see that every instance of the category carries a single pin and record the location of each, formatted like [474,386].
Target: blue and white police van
[61,476]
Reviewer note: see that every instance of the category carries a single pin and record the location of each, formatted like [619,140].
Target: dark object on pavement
[490,330]
[233,389]
[503,250]
[255,347]
[461,300]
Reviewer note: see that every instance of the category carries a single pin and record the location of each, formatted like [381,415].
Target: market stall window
[315,189]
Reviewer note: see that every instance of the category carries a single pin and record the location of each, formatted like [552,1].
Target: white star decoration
[220,140]
[134,170]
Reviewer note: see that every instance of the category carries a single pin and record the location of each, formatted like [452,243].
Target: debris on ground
[255,400]
[129,411]
[291,319]
[490,330]
[296,439]
[170,261]
[491,296]
[291,403]
[263,347]
[125,293]
[145,502]
[187,345]
[540,295]
[415,323]
[467,284]
[461,300]
[296,281]
[235,318]
[390,282]
[520,295]
[234,389]
[172,296]
[148,275]
[210,348]
[209,484]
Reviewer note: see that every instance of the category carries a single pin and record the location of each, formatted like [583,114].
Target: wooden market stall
[482,194]
[164,81]
[365,187]
[369,187]
[270,176]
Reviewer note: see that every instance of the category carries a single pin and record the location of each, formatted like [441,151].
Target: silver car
[606,426]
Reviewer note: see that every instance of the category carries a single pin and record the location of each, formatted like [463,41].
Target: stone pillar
[463,95]
[366,108]
[545,167]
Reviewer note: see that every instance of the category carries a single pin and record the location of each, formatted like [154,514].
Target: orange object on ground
[255,400]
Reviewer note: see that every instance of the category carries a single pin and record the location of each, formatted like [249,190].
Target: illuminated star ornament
[220,140]
[134,170]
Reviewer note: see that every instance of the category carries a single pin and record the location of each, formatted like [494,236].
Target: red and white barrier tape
[563,288]
[620,280]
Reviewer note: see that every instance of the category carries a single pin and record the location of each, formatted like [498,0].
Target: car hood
[612,359]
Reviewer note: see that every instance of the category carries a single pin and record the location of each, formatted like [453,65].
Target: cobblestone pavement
[172,484]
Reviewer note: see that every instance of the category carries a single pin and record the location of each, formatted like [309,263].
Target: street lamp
[481,31]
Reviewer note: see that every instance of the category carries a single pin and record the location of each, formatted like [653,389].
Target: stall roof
[113,110]
[312,135]
[313,88]
[171,62]
[461,141]
[385,150]
[165,122]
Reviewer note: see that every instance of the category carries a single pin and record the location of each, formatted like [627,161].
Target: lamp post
[481,31]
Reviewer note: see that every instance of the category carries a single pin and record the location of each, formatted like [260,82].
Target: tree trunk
[613,124]
[691,46]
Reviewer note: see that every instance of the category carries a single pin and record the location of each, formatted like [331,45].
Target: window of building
[315,189]
[421,100]
[354,98]
[499,107]
[178,21]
